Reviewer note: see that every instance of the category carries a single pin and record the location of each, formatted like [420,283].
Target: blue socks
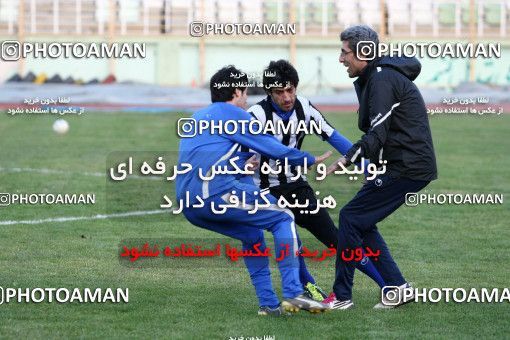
[304,274]
[367,267]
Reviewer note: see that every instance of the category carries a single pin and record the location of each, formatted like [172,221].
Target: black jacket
[393,116]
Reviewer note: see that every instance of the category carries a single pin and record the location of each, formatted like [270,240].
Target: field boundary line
[62,172]
[82,218]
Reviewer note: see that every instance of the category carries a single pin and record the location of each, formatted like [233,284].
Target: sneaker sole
[392,307]
[285,314]
[348,306]
[289,307]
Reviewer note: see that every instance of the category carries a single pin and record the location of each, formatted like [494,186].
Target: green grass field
[434,245]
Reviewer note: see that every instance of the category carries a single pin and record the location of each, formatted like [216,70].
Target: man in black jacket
[394,120]
[284,105]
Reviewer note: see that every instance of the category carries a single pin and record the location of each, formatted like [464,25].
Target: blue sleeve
[339,142]
[270,146]
[342,145]
[241,162]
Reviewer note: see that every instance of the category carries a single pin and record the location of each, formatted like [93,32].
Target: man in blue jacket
[393,118]
[211,150]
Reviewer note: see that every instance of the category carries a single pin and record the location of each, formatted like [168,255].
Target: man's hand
[335,166]
[252,163]
[323,157]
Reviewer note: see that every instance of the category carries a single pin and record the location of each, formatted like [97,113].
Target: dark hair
[230,79]
[361,33]
[283,73]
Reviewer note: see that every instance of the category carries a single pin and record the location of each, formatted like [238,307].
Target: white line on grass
[80,218]
[61,172]
[50,171]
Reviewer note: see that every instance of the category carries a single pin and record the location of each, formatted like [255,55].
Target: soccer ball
[61,126]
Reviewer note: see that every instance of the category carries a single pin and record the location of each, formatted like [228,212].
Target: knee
[282,220]
[254,237]
[347,217]
[288,216]
[350,218]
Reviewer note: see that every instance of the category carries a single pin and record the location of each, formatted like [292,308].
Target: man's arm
[329,133]
[339,142]
[381,103]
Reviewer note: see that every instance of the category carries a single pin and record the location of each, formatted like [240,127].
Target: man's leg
[279,222]
[258,267]
[323,228]
[304,274]
[320,224]
[322,234]
[374,240]
[358,218]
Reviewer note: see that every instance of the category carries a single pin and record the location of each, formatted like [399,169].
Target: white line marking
[80,218]
[51,171]
[386,115]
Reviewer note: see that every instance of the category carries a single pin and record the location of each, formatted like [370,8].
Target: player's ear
[237,93]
